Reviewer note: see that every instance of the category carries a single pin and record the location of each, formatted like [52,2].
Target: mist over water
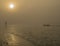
[25,23]
[34,35]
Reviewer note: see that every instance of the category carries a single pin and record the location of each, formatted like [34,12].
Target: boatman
[5,23]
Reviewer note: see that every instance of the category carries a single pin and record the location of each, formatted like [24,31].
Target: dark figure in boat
[5,23]
[46,25]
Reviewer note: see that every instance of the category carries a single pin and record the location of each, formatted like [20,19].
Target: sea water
[36,35]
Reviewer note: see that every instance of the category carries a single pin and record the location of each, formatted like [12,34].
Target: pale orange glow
[12,6]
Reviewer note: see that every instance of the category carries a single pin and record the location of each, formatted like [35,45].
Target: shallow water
[28,35]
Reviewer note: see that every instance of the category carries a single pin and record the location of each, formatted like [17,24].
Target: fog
[31,12]
[30,15]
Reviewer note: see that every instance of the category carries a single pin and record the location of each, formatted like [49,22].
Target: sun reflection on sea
[12,37]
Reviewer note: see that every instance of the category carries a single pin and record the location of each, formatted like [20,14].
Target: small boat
[47,25]
[6,22]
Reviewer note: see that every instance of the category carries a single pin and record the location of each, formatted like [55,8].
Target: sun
[11,6]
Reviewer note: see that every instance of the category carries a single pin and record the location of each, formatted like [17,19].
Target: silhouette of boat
[47,25]
[5,22]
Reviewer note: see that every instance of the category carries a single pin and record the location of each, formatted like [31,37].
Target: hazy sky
[31,11]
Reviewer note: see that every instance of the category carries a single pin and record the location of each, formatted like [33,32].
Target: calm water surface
[28,35]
